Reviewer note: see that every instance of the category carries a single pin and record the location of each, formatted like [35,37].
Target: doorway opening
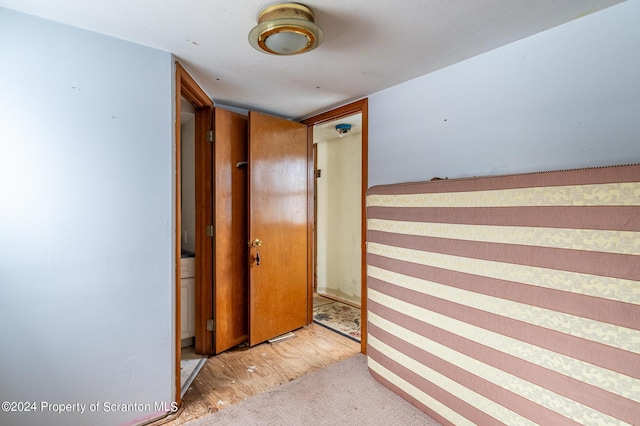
[190,362]
[338,216]
[339,207]
[192,249]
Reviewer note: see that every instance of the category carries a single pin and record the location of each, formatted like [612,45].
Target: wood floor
[237,374]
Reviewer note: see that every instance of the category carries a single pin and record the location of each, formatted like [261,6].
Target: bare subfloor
[237,374]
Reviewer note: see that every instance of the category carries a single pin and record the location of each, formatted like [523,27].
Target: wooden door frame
[357,107]
[187,87]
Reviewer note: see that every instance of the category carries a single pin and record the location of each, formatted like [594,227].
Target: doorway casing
[187,88]
[357,107]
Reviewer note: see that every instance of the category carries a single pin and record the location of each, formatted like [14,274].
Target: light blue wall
[565,98]
[86,223]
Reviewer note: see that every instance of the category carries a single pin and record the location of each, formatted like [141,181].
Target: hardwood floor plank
[240,373]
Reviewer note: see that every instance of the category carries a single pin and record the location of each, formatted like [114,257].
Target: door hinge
[318,173]
[211,324]
[210,231]
[210,136]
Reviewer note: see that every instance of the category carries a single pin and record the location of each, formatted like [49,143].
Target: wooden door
[230,230]
[278,218]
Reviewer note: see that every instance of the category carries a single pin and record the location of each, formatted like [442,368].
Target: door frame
[187,87]
[358,107]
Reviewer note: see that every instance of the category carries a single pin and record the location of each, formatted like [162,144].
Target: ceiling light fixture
[286,29]
[343,129]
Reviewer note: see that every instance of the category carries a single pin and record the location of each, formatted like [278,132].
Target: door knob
[256,243]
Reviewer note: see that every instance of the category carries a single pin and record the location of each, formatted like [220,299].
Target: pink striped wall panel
[509,300]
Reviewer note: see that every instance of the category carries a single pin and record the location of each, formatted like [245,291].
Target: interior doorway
[221,213]
[338,182]
[193,250]
[190,362]
[331,119]
[338,229]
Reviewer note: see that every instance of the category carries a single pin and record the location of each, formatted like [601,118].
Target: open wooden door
[278,226]
[230,229]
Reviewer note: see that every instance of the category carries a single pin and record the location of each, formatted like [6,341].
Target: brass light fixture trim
[286,29]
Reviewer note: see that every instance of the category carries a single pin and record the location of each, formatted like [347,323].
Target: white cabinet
[187,297]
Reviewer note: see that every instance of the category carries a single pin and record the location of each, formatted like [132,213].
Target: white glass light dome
[286,29]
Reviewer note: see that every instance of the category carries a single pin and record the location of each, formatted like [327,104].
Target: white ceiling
[369,45]
[327,131]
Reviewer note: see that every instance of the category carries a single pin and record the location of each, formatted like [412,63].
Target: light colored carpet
[341,394]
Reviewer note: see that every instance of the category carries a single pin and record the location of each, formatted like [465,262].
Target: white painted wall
[188,187]
[339,217]
[565,98]
[86,223]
